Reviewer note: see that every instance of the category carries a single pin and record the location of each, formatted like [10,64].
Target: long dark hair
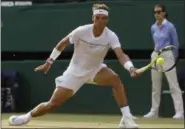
[163,9]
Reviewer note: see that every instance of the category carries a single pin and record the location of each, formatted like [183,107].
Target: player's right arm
[70,38]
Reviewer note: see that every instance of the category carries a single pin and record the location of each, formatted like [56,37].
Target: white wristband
[128,65]
[55,53]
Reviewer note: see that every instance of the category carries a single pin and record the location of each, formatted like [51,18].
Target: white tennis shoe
[127,122]
[18,120]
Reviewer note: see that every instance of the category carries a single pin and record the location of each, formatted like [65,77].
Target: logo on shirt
[92,46]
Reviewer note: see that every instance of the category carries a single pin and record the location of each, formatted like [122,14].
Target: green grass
[92,121]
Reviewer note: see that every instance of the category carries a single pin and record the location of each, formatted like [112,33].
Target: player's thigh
[60,95]
[70,81]
[105,77]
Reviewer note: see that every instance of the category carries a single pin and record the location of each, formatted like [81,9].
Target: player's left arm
[122,57]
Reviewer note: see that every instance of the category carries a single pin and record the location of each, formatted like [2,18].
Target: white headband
[100,11]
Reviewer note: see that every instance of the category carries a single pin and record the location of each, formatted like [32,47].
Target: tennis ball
[160,61]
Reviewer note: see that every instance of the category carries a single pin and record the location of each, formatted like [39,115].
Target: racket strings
[169,60]
[170,55]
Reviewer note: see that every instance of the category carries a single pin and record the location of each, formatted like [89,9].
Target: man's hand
[133,72]
[45,67]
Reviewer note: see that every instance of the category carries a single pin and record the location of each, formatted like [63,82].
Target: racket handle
[141,70]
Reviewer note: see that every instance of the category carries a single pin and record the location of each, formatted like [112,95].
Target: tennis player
[91,44]
[164,33]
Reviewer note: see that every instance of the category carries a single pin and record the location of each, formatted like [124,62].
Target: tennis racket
[170,56]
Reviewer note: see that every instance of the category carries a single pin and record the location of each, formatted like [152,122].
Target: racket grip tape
[141,70]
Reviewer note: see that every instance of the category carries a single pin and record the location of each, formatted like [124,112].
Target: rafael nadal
[91,44]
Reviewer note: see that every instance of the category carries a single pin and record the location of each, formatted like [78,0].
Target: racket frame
[153,61]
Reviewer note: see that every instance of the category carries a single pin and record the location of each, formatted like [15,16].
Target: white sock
[28,116]
[126,111]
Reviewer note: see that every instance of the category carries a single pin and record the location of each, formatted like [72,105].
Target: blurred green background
[38,28]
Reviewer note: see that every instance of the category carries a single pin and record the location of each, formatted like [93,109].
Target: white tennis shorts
[74,83]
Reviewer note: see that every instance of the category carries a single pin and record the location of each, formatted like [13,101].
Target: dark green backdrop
[40,27]
[38,87]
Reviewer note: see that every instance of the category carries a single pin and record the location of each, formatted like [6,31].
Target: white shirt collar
[164,22]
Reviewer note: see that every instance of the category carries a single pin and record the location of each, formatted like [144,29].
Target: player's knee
[114,80]
[53,104]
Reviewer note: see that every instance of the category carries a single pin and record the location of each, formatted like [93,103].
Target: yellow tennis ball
[160,61]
